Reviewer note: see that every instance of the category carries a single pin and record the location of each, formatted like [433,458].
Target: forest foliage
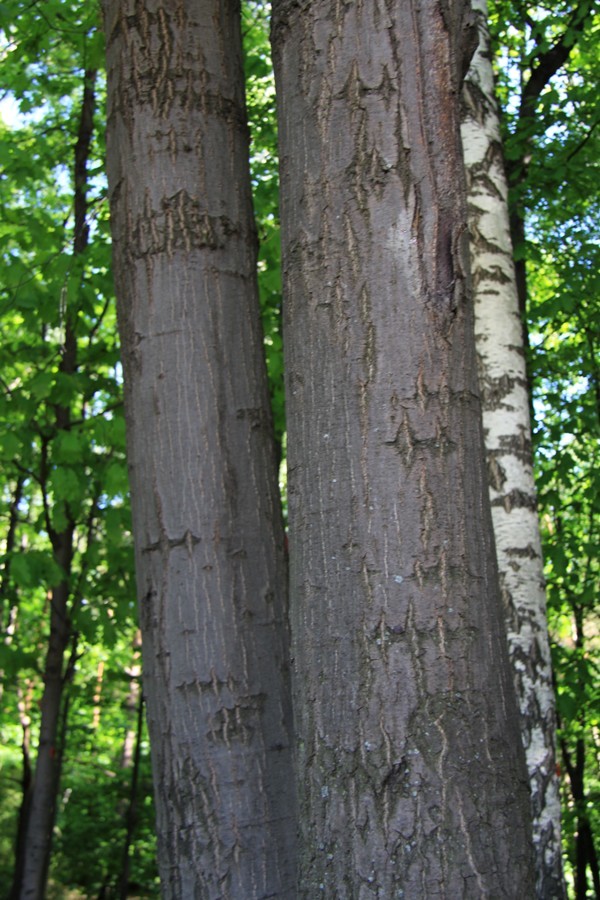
[62,433]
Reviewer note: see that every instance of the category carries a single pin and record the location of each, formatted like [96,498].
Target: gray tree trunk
[412,780]
[507,427]
[207,524]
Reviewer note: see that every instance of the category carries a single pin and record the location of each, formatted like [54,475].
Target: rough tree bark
[207,524]
[507,429]
[412,780]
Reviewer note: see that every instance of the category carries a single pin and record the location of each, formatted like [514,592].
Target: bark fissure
[209,541]
[393,583]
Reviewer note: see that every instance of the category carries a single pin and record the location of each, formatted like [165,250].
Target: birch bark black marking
[505,399]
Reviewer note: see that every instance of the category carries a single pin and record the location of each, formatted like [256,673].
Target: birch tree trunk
[507,429]
[412,780]
[208,531]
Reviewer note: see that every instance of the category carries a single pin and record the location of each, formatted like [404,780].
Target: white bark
[507,428]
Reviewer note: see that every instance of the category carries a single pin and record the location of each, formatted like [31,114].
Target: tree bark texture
[207,523]
[411,771]
[507,431]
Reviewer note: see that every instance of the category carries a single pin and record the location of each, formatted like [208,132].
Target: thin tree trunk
[507,430]
[130,758]
[131,815]
[132,702]
[585,850]
[30,882]
[26,777]
[542,67]
[207,523]
[412,780]
[41,802]
[6,604]
[97,698]
[8,626]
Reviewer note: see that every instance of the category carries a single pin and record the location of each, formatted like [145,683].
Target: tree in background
[548,69]
[65,587]
[405,710]
[210,561]
[39,798]
[508,442]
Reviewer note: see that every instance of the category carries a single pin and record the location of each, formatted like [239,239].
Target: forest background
[64,512]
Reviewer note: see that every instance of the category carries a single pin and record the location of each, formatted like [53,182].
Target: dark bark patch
[496,474]
[257,417]
[395,776]
[166,544]
[181,224]
[238,723]
[516,499]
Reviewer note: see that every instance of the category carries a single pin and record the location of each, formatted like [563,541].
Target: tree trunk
[39,803]
[131,814]
[575,766]
[507,429]
[207,524]
[39,807]
[26,778]
[7,604]
[132,704]
[412,780]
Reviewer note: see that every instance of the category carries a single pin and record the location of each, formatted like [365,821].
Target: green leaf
[68,447]
[41,385]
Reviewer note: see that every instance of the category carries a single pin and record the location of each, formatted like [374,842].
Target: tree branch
[547,64]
